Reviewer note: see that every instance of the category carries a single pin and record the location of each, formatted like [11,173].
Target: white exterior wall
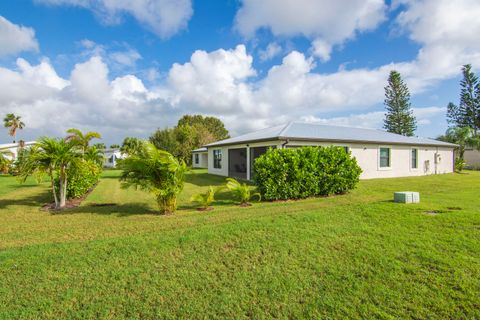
[367,156]
[202,160]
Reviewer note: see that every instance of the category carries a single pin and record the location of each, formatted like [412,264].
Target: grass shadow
[204,179]
[121,210]
[35,200]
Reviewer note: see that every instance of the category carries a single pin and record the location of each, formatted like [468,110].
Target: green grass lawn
[353,256]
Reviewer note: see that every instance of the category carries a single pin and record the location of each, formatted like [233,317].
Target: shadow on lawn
[204,179]
[35,200]
[121,210]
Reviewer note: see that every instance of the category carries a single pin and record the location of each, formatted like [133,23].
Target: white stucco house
[200,158]
[10,150]
[380,154]
[111,156]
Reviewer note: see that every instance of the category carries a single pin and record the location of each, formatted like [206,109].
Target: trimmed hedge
[81,178]
[295,173]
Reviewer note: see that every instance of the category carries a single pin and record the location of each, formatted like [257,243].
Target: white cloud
[374,120]
[15,38]
[329,22]
[272,50]
[126,58]
[163,17]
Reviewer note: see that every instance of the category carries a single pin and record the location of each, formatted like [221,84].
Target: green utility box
[406,197]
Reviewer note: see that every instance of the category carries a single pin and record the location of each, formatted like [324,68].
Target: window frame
[379,156]
[197,158]
[217,158]
[416,158]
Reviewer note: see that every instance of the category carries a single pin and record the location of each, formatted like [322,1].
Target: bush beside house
[290,173]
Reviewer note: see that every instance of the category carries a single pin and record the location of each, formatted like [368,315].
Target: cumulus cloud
[328,22]
[15,38]
[374,120]
[272,50]
[163,17]
[224,83]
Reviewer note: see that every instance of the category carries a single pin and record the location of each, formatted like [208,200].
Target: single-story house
[200,158]
[111,156]
[10,150]
[380,154]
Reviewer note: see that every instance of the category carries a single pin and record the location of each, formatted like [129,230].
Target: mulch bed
[70,203]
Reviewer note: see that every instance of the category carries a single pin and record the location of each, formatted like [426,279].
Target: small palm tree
[4,163]
[94,155]
[463,137]
[83,139]
[241,191]
[52,157]
[13,123]
[156,171]
[205,199]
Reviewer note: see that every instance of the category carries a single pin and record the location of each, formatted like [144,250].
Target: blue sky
[127,68]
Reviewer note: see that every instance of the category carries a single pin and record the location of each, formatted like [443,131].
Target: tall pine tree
[399,117]
[467,113]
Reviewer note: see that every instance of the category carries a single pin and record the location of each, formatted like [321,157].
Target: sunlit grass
[357,255]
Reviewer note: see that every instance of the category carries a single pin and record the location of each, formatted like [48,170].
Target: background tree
[156,171]
[83,139]
[100,146]
[463,136]
[94,155]
[13,123]
[191,132]
[114,146]
[399,117]
[214,125]
[132,145]
[467,113]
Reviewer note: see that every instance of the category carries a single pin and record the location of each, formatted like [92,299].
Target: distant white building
[200,158]
[111,156]
[10,150]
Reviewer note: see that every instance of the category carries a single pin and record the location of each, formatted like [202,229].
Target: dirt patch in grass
[205,209]
[70,203]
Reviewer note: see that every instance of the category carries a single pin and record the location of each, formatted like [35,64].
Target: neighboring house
[111,157]
[472,158]
[200,158]
[380,154]
[10,150]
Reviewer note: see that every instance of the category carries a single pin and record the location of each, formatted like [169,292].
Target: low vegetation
[355,256]
[155,171]
[296,173]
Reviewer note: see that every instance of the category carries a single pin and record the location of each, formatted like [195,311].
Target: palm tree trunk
[54,191]
[63,187]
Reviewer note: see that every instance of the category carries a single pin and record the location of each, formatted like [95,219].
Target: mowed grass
[353,256]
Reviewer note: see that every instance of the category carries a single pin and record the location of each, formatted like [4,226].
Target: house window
[384,157]
[217,159]
[414,158]
[196,158]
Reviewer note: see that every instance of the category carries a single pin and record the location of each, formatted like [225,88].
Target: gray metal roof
[321,132]
[203,149]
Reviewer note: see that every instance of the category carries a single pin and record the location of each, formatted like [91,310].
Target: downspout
[436,161]
[285,143]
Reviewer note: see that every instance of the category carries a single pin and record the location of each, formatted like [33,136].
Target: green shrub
[81,178]
[459,164]
[304,172]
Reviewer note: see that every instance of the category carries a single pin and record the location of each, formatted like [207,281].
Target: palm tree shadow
[120,210]
[36,200]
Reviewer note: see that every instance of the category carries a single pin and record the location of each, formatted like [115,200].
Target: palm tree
[94,155]
[52,157]
[156,171]
[4,162]
[463,136]
[204,199]
[13,123]
[241,191]
[82,138]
